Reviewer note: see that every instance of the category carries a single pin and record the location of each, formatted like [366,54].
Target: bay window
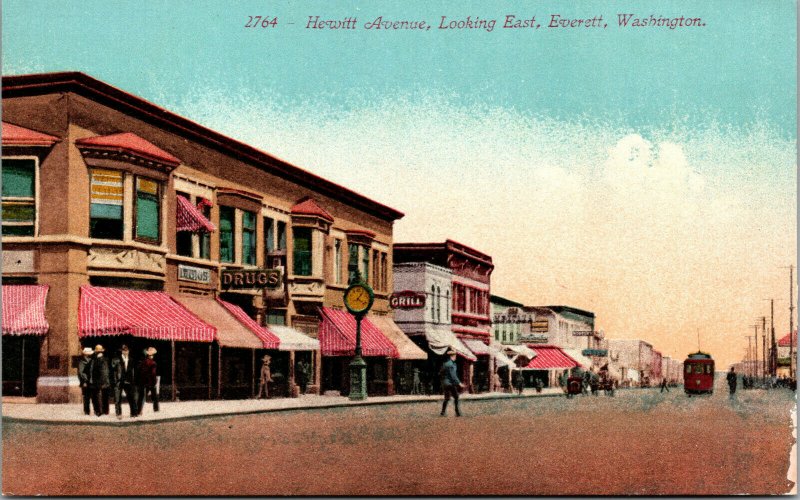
[148,210]
[105,212]
[302,251]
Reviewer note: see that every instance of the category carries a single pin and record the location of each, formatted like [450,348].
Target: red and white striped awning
[550,357]
[189,218]
[337,336]
[153,315]
[23,310]
[269,339]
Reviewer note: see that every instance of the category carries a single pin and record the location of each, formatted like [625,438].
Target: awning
[439,340]
[23,310]
[476,346]
[471,330]
[519,350]
[153,315]
[550,358]
[190,218]
[582,360]
[14,135]
[268,339]
[406,348]
[633,375]
[230,331]
[337,336]
[496,351]
[292,340]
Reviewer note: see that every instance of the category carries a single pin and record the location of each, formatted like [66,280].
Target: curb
[131,422]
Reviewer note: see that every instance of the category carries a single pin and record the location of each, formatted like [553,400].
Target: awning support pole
[22,357]
[219,372]
[174,385]
[291,375]
[253,378]
[209,370]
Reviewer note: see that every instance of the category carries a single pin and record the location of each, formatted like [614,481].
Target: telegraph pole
[749,356]
[763,346]
[755,342]
[791,320]
[773,348]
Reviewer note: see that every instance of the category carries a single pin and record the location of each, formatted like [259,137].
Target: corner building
[122,222]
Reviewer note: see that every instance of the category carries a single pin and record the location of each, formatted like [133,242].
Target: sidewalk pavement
[185,410]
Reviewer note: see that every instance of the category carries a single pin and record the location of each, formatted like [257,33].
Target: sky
[647,174]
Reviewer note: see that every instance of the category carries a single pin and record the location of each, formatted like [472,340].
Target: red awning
[269,339]
[337,336]
[189,218]
[130,143]
[153,315]
[784,342]
[549,357]
[14,135]
[23,310]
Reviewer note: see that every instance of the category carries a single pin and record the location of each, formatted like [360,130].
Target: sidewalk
[186,410]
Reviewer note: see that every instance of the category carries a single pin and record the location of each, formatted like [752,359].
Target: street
[640,442]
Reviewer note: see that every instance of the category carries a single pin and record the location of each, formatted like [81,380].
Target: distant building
[509,320]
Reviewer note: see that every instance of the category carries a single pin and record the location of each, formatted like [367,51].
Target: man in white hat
[100,381]
[450,382]
[83,377]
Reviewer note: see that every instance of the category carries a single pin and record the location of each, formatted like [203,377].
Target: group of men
[123,374]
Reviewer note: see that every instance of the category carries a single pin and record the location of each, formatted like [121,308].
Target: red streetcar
[698,374]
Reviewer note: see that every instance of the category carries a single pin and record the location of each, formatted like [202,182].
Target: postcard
[271,248]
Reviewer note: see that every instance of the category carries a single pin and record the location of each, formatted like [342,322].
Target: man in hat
[83,377]
[303,375]
[450,382]
[148,378]
[123,375]
[266,377]
[100,381]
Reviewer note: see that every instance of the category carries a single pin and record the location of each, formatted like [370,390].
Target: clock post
[358,299]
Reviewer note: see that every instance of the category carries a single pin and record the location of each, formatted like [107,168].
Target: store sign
[583,333]
[541,325]
[595,352]
[534,339]
[196,274]
[407,299]
[243,279]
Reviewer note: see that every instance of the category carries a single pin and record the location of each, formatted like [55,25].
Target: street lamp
[358,299]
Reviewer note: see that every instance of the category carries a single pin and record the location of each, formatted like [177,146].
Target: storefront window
[302,251]
[226,233]
[106,220]
[249,238]
[19,198]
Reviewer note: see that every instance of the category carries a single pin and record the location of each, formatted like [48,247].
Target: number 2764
[261,22]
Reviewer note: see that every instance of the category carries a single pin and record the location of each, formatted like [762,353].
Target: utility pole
[763,346]
[755,342]
[773,348]
[749,356]
[791,320]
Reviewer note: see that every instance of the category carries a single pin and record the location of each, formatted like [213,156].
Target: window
[433,303]
[376,275]
[248,238]
[352,263]
[148,209]
[19,197]
[105,211]
[276,318]
[384,274]
[281,235]
[183,239]
[337,261]
[688,368]
[226,233]
[438,304]
[269,234]
[365,264]
[447,304]
[205,238]
[302,251]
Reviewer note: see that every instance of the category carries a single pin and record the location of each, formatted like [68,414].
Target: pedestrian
[664,386]
[450,382]
[266,378]
[496,385]
[100,381]
[84,375]
[303,375]
[416,387]
[731,377]
[148,378]
[123,374]
[519,381]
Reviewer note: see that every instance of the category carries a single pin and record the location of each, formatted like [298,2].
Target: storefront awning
[337,336]
[406,348]
[517,350]
[189,218]
[230,331]
[23,310]
[268,339]
[496,351]
[292,340]
[476,346]
[154,315]
[550,358]
[471,330]
[576,354]
[439,340]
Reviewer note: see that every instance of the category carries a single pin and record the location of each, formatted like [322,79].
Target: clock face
[358,299]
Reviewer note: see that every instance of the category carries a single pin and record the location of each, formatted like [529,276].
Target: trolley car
[698,374]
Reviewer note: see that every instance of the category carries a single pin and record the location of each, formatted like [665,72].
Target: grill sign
[407,300]
[251,278]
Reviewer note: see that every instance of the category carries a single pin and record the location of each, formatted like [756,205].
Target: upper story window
[337,260]
[19,196]
[227,223]
[148,210]
[193,238]
[248,238]
[269,235]
[302,251]
[105,213]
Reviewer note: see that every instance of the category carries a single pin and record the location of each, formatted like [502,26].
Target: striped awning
[476,346]
[189,218]
[293,340]
[337,336]
[549,357]
[268,339]
[230,331]
[406,348]
[154,315]
[23,309]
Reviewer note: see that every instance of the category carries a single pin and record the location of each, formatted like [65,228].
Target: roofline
[572,309]
[503,301]
[448,245]
[87,86]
